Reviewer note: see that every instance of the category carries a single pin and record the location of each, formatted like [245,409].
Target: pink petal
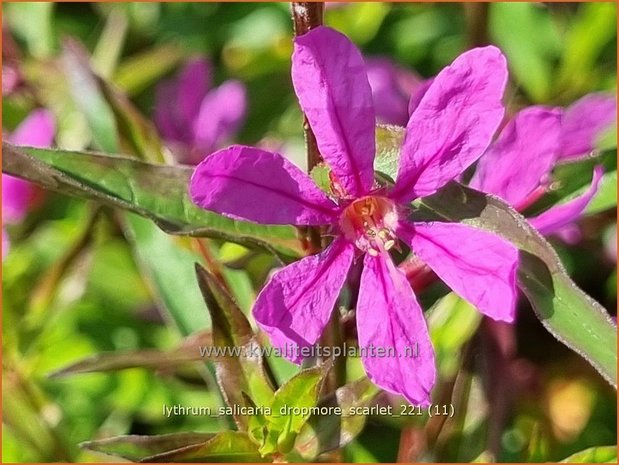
[221,114]
[524,153]
[295,305]
[453,123]
[193,83]
[37,130]
[17,195]
[389,319]
[584,121]
[329,78]
[251,184]
[562,215]
[479,266]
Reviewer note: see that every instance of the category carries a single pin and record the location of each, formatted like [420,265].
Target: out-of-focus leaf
[110,44]
[595,26]
[188,351]
[529,54]
[565,310]
[157,192]
[240,365]
[324,433]
[605,454]
[32,21]
[452,322]
[140,71]
[88,97]
[226,446]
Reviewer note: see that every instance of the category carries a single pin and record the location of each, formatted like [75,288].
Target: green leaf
[528,37]
[226,446]
[452,322]
[565,310]
[324,433]
[240,365]
[604,454]
[140,71]
[188,351]
[168,267]
[88,97]
[157,192]
[595,26]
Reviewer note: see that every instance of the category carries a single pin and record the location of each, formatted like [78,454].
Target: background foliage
[82,279]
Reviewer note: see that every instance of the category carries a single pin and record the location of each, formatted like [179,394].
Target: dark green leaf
[157,192]
[240,365]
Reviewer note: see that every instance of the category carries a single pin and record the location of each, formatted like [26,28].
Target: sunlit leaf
[606,454]
[226,446]
[157,192]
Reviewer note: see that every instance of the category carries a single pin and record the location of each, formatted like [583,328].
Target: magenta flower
[450,129]
[195,119]
[37,130]
[518,165]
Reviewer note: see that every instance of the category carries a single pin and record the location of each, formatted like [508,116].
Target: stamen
[369,223]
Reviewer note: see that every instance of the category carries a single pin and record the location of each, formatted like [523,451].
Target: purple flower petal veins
[449,130]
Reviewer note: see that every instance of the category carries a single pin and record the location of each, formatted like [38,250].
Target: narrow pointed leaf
[226,446]
[157,192]
[239,365]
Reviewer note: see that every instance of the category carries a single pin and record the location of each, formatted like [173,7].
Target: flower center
[370,223]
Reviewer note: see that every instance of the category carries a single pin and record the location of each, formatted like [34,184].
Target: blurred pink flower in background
[392,88]
[518,165]
[37,130]
[448,131]
[193,117]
